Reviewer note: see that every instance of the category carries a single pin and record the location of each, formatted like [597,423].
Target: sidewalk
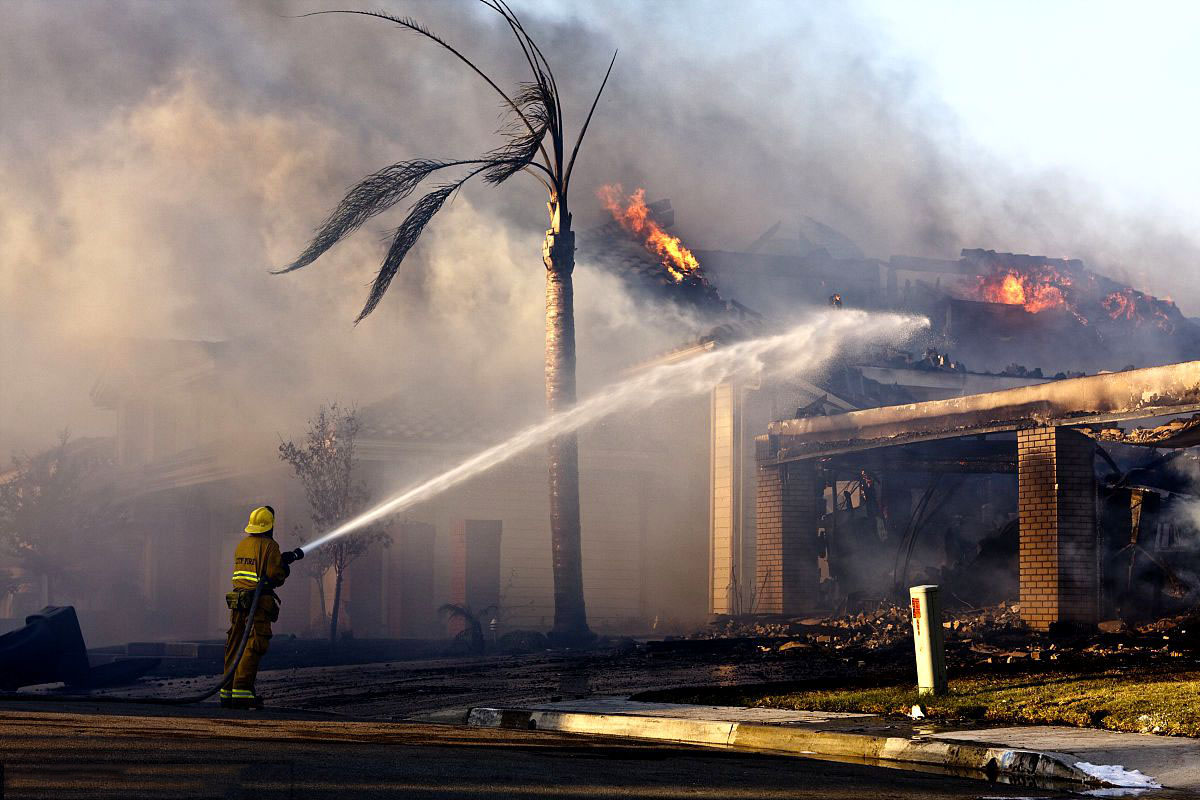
[1172,761]
[1078,756]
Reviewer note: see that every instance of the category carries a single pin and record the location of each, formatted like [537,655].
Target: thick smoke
[157,159]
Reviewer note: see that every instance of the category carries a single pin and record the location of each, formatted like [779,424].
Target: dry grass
[1116,700]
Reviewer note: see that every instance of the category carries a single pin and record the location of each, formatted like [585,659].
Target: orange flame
[1050,285]
[1133,306]
[634,217]
[1011,291]
[1121,305]
[1036,292]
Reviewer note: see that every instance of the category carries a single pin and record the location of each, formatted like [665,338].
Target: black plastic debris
[50,649]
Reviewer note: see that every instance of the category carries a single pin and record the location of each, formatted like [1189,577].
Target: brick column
[1057,499]
[787,580]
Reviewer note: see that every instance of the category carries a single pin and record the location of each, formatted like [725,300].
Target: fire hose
[226,679]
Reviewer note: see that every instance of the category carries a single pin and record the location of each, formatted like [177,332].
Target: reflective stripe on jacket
[257,554]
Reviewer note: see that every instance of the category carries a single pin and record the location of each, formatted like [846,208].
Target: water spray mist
[798,351]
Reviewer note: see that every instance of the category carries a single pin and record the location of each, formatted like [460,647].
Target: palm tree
[471,636]
[534,144]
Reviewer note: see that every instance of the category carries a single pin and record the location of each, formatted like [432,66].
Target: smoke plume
[158,159]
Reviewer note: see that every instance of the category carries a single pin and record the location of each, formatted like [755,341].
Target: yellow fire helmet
[262,519]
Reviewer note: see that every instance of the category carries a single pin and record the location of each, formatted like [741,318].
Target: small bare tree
[56,513]
[324,463]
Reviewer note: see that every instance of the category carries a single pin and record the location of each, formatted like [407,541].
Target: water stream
[796,352]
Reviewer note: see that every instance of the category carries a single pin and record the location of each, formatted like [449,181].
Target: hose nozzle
[292,555]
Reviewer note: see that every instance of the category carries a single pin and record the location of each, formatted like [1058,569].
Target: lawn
[1118,700]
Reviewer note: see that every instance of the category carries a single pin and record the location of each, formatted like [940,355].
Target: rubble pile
[975,638]
[879,628]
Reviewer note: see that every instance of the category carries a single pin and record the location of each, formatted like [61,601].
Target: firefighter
[257,557]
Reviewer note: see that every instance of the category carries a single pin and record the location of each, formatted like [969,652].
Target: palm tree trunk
[570,615]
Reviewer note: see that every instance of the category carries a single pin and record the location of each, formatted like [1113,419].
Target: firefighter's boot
[245,699]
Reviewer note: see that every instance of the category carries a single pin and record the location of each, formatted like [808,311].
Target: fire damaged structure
[953,464]
[1045,433]
[894,468]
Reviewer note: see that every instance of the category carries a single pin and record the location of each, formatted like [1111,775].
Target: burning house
[1037,497]
[787,496]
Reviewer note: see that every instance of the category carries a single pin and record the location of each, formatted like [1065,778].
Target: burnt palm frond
[538,62]
[412,25]
[373,194]
[586,122]
[526,46]
[522,146]
[534,115]
[407,235]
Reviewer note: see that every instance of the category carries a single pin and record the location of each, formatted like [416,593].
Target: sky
[1107,90]
[157,159]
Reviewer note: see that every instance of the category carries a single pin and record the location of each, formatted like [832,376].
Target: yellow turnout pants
[256,648]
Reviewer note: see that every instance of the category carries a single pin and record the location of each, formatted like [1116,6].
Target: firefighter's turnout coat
[256,555]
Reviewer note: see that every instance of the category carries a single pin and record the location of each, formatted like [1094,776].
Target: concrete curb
[988,760]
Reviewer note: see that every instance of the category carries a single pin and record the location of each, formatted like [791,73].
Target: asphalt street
[88,755]
[407,689]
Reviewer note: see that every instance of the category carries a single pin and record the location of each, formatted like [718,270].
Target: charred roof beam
[1112,397]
